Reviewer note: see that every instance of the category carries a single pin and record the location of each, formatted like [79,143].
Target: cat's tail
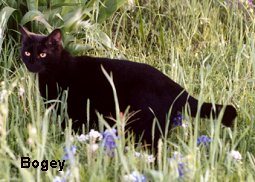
[207,110]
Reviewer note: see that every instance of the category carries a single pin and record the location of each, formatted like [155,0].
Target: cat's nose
[32,61]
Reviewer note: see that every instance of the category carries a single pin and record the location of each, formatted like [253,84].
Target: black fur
[138,85]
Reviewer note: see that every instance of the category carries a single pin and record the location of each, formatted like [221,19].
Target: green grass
[205,46]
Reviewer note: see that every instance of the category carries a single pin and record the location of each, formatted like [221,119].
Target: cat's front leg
[48,88]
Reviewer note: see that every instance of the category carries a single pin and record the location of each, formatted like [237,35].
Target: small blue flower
[109,138]
[204,140]
[140,178]
[177,157]
[181,169]
[177,121]
[58,179]
[135,176]
[69,153]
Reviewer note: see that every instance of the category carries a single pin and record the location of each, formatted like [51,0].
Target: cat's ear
[24,32]
[55,37]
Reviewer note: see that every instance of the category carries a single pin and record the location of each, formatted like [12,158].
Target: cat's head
[40,51]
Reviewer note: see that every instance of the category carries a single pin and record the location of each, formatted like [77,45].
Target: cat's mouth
[35,68]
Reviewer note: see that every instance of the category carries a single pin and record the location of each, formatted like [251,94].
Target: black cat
[140,86]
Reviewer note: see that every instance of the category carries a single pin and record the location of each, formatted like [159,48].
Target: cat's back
[117,67]
[124,72]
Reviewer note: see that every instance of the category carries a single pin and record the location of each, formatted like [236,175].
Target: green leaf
[78,48]
[32,4]
[35,15]
[108,9]
[5,14]
[72,18]
[104,39]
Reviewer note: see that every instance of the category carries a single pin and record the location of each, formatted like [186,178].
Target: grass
[205,46]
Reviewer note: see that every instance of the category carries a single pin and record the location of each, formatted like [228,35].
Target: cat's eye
[43,55]
[27,53]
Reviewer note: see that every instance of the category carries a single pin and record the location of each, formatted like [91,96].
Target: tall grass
[205,46]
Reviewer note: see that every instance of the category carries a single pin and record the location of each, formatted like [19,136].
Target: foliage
[79,19]
[4,14]
[205,46]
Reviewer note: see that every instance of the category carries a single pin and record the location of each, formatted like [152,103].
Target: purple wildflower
[177,158]
[177,121]
[135,176]
[58,179]
[69,153]
[204,140]
[250,2]
[181,169]
[109,138]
